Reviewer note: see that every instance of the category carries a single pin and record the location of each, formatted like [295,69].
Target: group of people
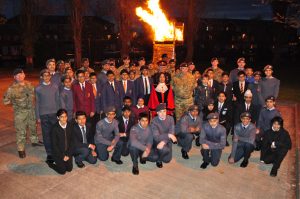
[141,110]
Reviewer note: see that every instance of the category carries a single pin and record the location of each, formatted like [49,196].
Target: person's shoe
[49,159]
[197,141]
[80,164]
[244,164]
[257,148]
[227,144]
[142,160]
[273,172]
[204,165]
[135,170]
[159,164]
[117,161]
[39,143]
[22,154]
[184,154]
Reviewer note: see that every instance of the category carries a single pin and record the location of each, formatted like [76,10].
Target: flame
[163,29]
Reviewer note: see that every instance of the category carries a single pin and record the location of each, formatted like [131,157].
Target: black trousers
[61,166]
[164,154]
[211,156]
[103,153]
[185,141]
[275,157]
[84,154]
[136,153]
[125,149]
[243,150]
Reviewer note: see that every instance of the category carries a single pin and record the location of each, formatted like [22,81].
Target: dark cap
[194,108]
[161,63]
[268,67]
[110,109]
[190,63]
[183,65]
[124,71]
[213,116]
[50,60]
[245,114]
[106,61]
[257,73]
[160,107]
[241,59]
[144,68]
[17,71]
[270,98]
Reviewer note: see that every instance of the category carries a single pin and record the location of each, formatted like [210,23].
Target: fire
[163,29]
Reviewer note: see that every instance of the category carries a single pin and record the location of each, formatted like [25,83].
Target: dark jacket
[61,141]
[77,138]
[121,126]
[237,92]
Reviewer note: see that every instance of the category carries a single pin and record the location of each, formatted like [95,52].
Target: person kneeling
[83,141]
[61,144]
[243,140]
[212,140]
[276,143]
[107,137]
[140,143]
[187,126]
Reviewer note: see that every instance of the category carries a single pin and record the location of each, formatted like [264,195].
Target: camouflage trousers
[25,119]
[182,105]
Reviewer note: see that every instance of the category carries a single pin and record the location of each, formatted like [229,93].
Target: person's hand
[66,158]
[110,148]
[92,146]
[231,160]
[234,98]
[192,129]
[172,137]
[122,134]
[146,153]
[257,131]
[161,145]
[273,146]
[205,146]
[92,114]
[94,154]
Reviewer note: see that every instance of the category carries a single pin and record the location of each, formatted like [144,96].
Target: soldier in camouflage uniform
[183,85]
[217,71]
[21,95]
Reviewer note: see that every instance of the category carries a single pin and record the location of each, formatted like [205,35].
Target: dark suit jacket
[237,92]
[225,115]
[121,126]
[130,91]
[228,91]
[98,105]
[77,138]
[101,78]
[83,101]
[139,86]
[111,97]
[58,137]
[241,108]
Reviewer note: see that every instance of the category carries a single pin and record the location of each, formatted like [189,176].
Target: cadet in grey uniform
[21,95]
[187,126]
[212,140]
[243,140]
[140,143]
[163,128]
[269,85]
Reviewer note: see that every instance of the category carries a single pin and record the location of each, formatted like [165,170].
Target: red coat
[83,101]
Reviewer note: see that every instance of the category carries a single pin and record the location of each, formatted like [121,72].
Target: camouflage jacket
[183,85]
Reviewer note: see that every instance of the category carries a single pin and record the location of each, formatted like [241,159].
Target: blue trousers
[164,154]
[185,141]
[84,154]
[136,153]
[243,150]
[211,156]
[103,153]
[47,121]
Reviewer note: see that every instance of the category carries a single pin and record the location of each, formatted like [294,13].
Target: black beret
[213,116]
[160,107]
[17,71]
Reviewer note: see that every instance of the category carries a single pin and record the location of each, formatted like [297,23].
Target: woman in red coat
[161,93]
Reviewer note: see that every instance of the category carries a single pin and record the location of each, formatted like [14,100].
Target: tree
[77,10]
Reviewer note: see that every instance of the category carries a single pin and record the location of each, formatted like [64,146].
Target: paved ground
[31,178]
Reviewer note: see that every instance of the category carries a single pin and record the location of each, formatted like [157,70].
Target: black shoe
[22,154]
[184,154]
[117,161]
[244,164]
[257,148]
[135,170]
[227,144]
[142,160]
[197,141]
[159,164]
[204,165]
[80,164]
[49,159]
[39,143]
[273,172]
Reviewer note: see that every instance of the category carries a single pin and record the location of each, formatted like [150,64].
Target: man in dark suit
[247,106]
[83,96]
[240,87]
[83,141]
[128,88]
[143,85]
[125,124]
[102,78]
[215,85]
[226,86]
[97,93]
[111,96]
[224,109]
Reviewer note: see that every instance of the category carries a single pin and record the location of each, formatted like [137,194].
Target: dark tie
[220,107]
[247,107]
[146,86]
[82,87]
[112,85]
[244,127]
[225,86]
[126,124]
[194,119]
[83,135]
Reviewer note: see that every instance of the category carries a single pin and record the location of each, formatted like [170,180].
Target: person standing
[269,85]
[55,76]
[216,69]
[21,95]
[233,76]
[143,85]
[66,96]
[239,88]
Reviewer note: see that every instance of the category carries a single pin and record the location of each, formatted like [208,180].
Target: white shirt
[113,84]
[242,84]
[46,84]
[148,84]
[247,106]
[82,85]
[67,88]
[139,106]
[220,105]
[62,126]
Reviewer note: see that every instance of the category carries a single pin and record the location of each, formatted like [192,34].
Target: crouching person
[212,140]
[61,144]
[107,137]
[188,126]
[140,143]
[83,141]
[243,140]
[276,143]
